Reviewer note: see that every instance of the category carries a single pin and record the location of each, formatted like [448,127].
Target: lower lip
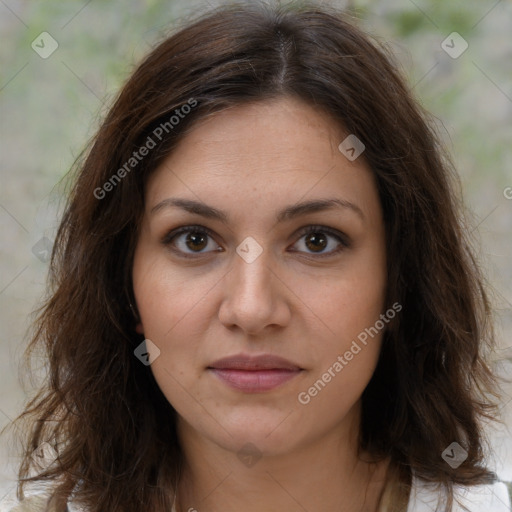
[255,381]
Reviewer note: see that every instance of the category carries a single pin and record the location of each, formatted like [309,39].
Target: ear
[139,328]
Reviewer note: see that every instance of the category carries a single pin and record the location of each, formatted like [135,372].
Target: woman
[262,296]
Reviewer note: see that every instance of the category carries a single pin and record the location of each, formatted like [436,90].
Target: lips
[254,363]
[254,374]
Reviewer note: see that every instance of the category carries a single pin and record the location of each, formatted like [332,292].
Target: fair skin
[251,162]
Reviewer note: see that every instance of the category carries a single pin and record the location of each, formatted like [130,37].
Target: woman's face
[261,275]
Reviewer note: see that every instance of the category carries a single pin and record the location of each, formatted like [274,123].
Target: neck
[326,474]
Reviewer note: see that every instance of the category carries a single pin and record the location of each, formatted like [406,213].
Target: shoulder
[426,497]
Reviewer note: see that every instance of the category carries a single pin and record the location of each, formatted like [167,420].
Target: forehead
[256,154]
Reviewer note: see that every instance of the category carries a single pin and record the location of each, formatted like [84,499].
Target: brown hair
[102,409]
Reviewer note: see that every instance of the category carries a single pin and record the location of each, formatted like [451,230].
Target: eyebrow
[288,213]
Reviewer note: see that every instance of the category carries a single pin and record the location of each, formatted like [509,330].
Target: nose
[255,296]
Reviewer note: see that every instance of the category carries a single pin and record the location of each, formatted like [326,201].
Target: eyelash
[168,239]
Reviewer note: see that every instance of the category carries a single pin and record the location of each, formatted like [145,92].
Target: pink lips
[254,374]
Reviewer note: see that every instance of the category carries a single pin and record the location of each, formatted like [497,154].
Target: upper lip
[247,362]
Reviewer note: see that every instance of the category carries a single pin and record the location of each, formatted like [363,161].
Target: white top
[480,498]
[423,498]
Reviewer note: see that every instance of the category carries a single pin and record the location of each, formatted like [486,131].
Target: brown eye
[319,238]
[190,241]
[316,241]
[196,240]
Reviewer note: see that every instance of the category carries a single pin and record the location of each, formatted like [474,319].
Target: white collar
[425,497]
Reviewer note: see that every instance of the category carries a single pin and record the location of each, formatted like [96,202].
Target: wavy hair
[102,410]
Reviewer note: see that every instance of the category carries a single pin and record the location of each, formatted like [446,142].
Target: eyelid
[167,238]
[340,236]
[171,235]
[342,239]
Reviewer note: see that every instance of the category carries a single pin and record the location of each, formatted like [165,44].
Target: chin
[271,432]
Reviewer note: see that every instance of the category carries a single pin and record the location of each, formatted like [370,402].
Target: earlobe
[139,328]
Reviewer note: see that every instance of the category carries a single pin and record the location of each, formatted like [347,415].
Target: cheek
[342,304]
[171,308]
[347,357]
[168,298]
[347,351]
[175,306]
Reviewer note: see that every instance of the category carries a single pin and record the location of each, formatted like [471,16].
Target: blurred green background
[50,107]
